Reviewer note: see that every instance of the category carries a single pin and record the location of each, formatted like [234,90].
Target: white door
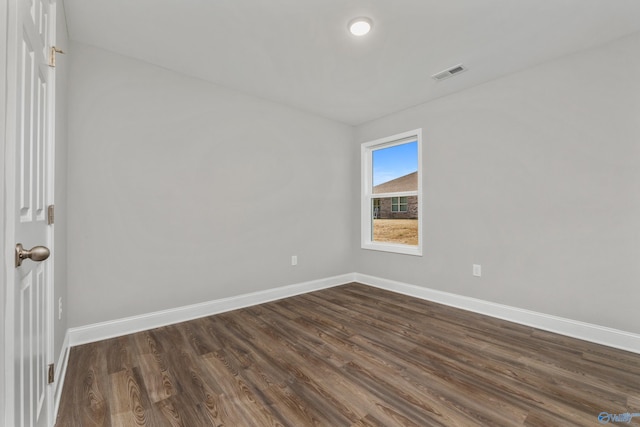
[31,125]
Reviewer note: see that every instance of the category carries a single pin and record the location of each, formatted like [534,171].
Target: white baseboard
[585,331]
[128,325]
[60,373]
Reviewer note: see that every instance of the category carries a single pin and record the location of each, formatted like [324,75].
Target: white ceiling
[299,52]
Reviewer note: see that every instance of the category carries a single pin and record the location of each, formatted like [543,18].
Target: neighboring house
[405,207]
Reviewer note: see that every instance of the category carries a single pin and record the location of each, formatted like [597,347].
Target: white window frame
[367,196]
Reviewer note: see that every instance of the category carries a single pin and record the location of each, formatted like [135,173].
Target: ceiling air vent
[449,72]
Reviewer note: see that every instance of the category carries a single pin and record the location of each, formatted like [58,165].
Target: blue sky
[394,162]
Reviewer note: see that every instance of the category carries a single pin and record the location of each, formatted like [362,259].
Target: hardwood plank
[85,400]
[158,380]
[352,355]
[118,355]
[242,402]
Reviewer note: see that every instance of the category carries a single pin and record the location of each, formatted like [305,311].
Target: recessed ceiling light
[360,26]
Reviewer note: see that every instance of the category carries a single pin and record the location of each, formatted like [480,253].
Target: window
[391,194]
[398,204]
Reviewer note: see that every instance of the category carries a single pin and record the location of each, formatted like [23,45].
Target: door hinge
[51,214]
[50,376]
[52,56]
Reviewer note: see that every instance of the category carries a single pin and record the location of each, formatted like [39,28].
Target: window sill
[395,248]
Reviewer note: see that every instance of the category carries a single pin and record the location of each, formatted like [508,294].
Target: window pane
[396,222]
[395,168]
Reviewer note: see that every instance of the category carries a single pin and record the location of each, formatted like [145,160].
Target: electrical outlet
[60,308]
[294,259]
[477,270]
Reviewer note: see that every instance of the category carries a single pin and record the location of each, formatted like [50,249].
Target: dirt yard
[403,231]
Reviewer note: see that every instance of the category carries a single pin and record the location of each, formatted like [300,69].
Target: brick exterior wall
[386,213]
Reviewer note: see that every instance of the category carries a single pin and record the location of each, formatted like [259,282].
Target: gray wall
[536,177]
[60,196]
[182,192]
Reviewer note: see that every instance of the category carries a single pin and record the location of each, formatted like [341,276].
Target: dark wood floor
[347,356]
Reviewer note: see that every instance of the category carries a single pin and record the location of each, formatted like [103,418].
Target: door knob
[36,253]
